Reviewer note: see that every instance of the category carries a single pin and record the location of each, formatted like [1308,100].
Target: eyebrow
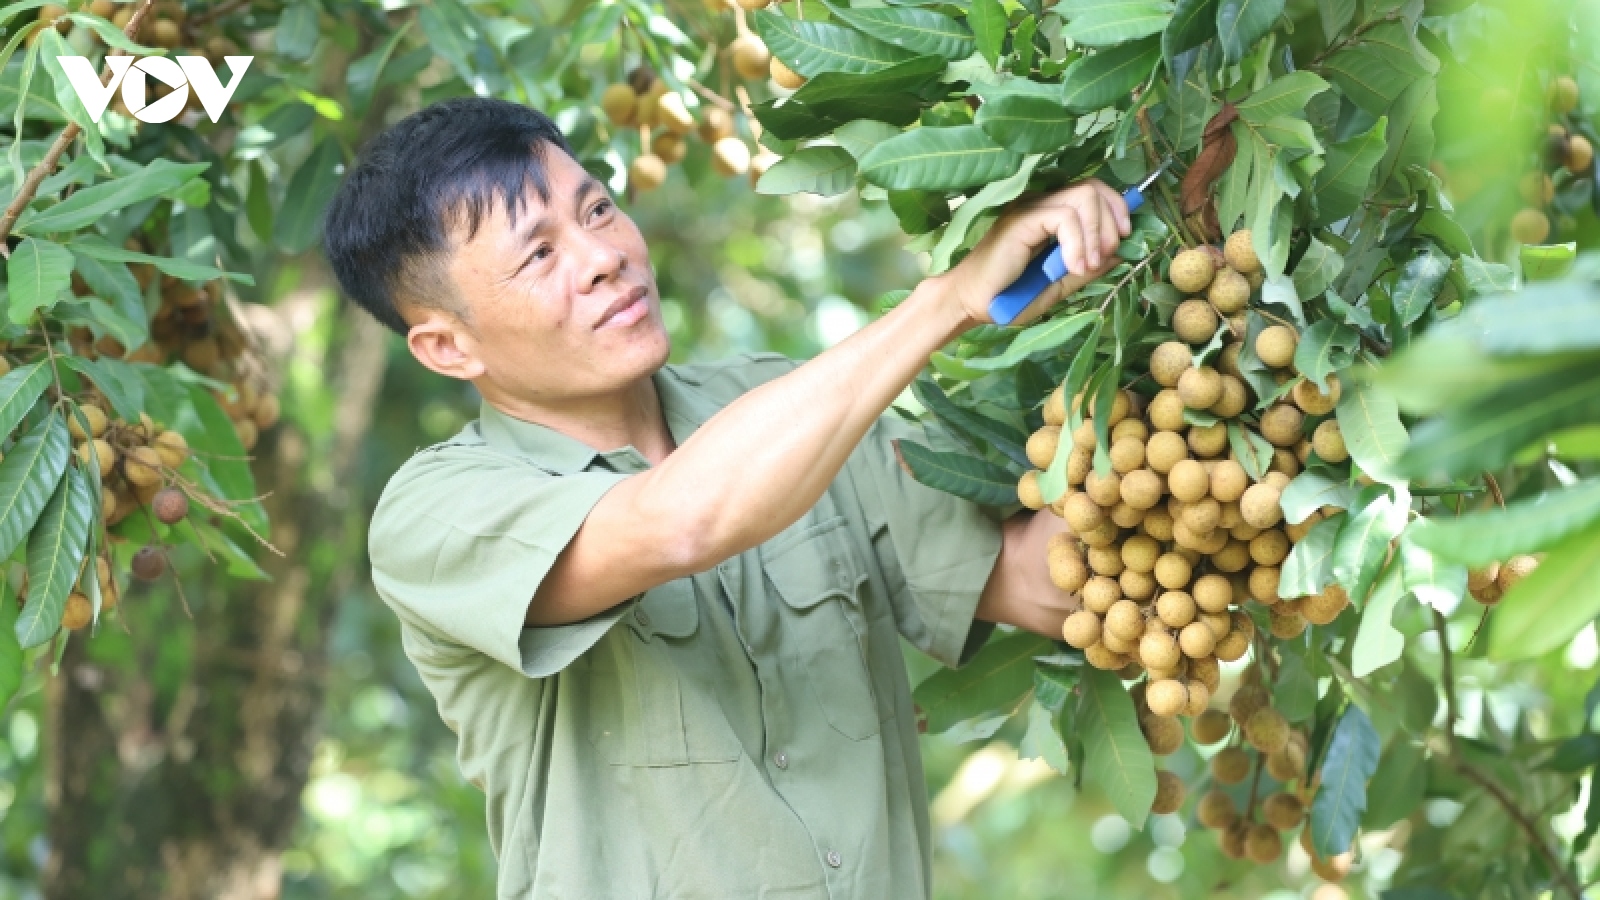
[536,224]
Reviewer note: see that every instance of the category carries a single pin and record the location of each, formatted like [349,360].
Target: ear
[440,343]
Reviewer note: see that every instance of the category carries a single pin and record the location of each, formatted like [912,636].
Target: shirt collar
[683,404]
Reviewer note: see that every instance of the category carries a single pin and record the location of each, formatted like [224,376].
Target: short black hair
[388,226]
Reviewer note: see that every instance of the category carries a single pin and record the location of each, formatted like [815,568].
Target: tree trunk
[178,774]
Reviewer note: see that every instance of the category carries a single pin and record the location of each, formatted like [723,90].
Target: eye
[543,252]
[602,208]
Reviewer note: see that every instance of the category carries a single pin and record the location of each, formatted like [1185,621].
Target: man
[660,605]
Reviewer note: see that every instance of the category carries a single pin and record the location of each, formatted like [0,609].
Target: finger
[1119,208]
[1109,238]
[1090,215]
[1070,234]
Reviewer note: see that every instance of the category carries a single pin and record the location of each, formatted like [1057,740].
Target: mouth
[626,310]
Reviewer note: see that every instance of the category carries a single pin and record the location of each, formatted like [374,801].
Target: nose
[602,261]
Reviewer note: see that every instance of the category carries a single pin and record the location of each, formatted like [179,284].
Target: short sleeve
[460,541]
[935,549]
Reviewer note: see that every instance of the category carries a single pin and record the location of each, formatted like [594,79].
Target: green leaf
[1547,261]
[1524,526]
[1540,318]
[258,203]
[1325,348]
[993,681]
[1053,483]
[90,204]
[1042,740]
[1037,338]
[993,194]
[1419,282]
[296,34]
[1309,566]
[1317,269]
[1376,69]
[37,273]
[1378,643]
[906,77]
[362,75]
[225,459]
[1543,611]
[11,661]
[299,219]
[938,159]
[1308,492]
[1193,23]
[1000,435]
[1116,757]
[55,550]
[116,284]
[19,390]
[1398,786]
[1110,75]
[211,538]
[1434,582]
[1370,423]
[825,171]
[28,477]
[1105,23]
[1251,449]
[965,476]
[1352,758]
[1295,692]
[1027,124]
[811,48]
[1342,183]
[96,246]
[1487,277]
[1284,95]
[1363,543]
[989,22]
[1240,23]
[917,30]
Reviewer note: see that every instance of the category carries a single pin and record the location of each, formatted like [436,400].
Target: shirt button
[781,759]
[834,859]
[642,617]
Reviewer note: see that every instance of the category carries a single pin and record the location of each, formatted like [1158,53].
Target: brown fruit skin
[1515,569]
[669,146]
[1055,407]
[731,156]
[1323,608]
[1194,321]
[1232,647]
[148,564]
[1263,844]
[1103,658]
[1235,397]
[1266,730]
[170,505]
[785,76]
[1241,253]
[1125,620]
[1530,226]
[1169,361]
[1275,345]
[99,452]
[1246,700]
[1163,734]
[1229,292]
[142,467]
[716,123]
[1041,447]
[1167,697]
[1563,94]
[751,59]
[1191,271]
[1580,155]
[647,172]
[1283,811]
[1175,609]
[1169,793]
[78,612]
[620,103]
[1216,810]
[1259,505]
[1309,396]
[1028,492]
[96,418]
[1197,640]
[1210,727]
[172,448]
[1081,629]
[1200,388]
[1231,765]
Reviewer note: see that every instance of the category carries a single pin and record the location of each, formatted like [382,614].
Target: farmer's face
[560,307]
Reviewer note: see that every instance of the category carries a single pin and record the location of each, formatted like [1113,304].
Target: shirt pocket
[816,572]
[642,711]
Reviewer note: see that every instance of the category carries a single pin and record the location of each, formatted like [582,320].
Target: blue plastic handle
[1045,269]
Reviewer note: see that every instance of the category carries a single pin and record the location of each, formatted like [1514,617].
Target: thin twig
[167,558]
[1494,490]
[1255,785]
[1143,263]
[215,12]
[712,96]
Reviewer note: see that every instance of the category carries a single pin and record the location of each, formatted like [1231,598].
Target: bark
[194,792]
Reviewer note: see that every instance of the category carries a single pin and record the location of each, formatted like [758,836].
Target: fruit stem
[1143,263]
[1255,785]
[1494,489]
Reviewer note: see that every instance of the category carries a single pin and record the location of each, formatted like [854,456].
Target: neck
[627,417]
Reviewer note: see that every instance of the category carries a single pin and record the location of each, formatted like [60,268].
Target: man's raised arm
[756,466]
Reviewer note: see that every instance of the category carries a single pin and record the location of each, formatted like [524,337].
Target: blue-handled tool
[1048,266]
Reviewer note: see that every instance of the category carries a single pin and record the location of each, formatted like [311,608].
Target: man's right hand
[1089,219]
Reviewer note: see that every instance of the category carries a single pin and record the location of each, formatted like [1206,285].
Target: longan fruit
[1188,481]
[173,449]
[1263,845]
[731,156]
[1311,399]
[1082,513]
[1286,625]
[1100,657]
[1235,397]
[1166,411]
[1080,463]
[1228,481]
[1267,730]
[1282,765]
[1269,548]
[1084,438]
[1199,697]
[1200,388]
[1068,573]
[1283,460]
[1130,428]
[1163,734]
[647,171]
[1580,155]
[1141,489]
[1028,492]
[1207,671]
[1169,793]
[1126,455]
[1231,519]
[1530,226]
[95,416]
[1105,490]
[1514,570]
[1175,608]
[1041,448]
[1216,810]
[1229,292]
[1158,524]
[1278,480]
[1197,640]
[1283,811]
[1297,532]
[1228,359]
[1219,623]
[77,612]
[1275,345]
[1264,584]
[1210,727]
[1100,594]
[1105,560]
[1118,644]
[1173,572]
[1160,651]
[1191,271]
[751,59]
[1241,253]
[1137,585]
[1281,423]
[1246,700]
[1123,515]
[1164,450]
[141,466]
[1201,516]
[785,76]
[620,103]
[1103,535]
[1563,93]
[1055,407]
[1125,620]
[1194,321]
[1231,765]
[1241,623]
[1208,440]
[1259,505]
[1081,629]
[1327,441]
[1233,646]
[100,453]
[1479,579]
[1212,593]
[1231,840]
[1139,553]
[1169,361]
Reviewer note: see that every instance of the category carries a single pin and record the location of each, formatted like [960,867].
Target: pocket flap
[669,610]
[813,564]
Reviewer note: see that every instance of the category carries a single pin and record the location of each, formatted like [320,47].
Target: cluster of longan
[1490,583]
[665,122]
[1563,149]
[1258,739]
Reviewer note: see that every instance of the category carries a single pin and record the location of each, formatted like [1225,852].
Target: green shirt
[747,732]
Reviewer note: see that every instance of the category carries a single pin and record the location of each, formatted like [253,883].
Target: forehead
[500,218]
